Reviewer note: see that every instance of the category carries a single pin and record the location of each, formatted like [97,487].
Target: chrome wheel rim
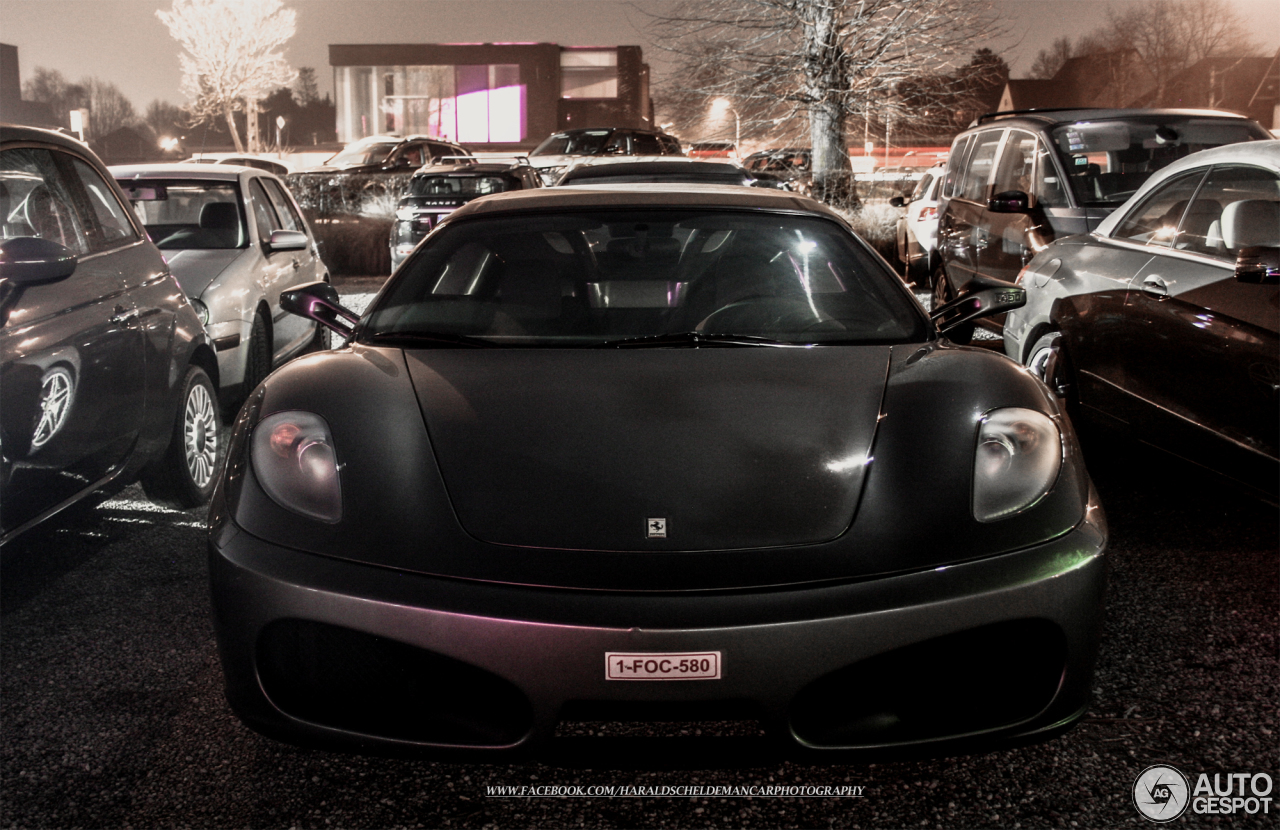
[55,401]
[200,435]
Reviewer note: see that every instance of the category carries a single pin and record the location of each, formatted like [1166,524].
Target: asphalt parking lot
[111,708]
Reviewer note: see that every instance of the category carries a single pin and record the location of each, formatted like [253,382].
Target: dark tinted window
[1107,161]
[457,185]
[580,279]
[644,144]
[37,199]
[588,143]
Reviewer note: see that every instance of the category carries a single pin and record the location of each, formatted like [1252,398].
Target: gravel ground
[112,715]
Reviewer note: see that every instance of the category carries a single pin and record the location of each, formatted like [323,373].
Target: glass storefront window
[589,74]
[479,103]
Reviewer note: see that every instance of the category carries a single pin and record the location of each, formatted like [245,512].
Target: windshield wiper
[429,338]
[692,339]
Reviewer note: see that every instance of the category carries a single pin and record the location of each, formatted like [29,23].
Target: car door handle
[296,265]
[1155,287]
[123,315]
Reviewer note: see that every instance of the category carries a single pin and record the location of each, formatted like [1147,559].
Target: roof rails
[495,158]
[992,116]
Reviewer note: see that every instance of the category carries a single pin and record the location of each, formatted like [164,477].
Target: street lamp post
[737,123]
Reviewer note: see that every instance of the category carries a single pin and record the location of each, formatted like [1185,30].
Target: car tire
[321,341]
[185,475]
[1037,357]
[942,293]
[257,362]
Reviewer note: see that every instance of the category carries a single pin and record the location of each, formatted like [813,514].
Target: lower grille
[345,679]
[987,678]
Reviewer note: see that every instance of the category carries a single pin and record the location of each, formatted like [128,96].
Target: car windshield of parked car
[1107,161]
[588,143]
[185,215]
[366,154]
[637,278]
[457,185]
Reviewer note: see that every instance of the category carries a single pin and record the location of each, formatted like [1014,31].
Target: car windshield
[783,161]
[366,154]
[640,173]
[653,277]
[183,214]
[456,185]
[589,143]
[1107,161]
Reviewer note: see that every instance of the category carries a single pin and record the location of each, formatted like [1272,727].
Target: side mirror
[1010,201]
[1258,265]
[287,241]
[319,301]
[27,260]
[898,201]
[984,302]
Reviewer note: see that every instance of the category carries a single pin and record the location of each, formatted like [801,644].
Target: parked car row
[1147,241]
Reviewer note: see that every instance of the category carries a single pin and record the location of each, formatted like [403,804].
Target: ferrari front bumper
[323,652]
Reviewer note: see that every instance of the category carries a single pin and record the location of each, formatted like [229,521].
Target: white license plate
[683,665]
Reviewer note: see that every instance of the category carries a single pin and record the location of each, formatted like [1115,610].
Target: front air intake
[349,680]
[975,681]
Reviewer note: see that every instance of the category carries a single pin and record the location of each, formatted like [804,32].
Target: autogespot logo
[1161,793]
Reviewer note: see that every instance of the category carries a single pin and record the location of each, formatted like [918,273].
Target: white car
[235,238]
[918,227]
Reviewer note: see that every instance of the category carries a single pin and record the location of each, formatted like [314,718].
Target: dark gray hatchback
[1016,181]
[106,374]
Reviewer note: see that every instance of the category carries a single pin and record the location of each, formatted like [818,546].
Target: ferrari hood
[196,269]
[655,449]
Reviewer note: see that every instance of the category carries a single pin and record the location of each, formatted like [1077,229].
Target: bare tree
[1171,36]
[231,59]
[824,61]
[1049,61]
[109,109]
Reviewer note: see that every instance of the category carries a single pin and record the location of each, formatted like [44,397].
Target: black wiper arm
[692,339]
[428,338]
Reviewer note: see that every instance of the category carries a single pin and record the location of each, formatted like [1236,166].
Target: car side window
[978,168]
[1017,163]
[1155,220]
[617,143]
[263,215]
[113,225]
[670,146]
[1050,191]
[36,199]
[644,144]
[955,166]
[1236,207]
[284,207]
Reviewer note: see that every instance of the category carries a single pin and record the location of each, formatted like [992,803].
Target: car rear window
[589,278]
[457,185]
[186,214]
[1107,161]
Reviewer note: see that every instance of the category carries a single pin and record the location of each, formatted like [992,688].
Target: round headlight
[1016,462]
[295,462]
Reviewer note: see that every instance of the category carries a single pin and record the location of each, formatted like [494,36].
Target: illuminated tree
[231,58]
[822,61]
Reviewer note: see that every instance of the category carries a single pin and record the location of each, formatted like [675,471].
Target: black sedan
[106,374]
[655,454]
[1164,322]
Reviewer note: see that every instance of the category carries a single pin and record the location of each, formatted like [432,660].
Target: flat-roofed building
[501,96]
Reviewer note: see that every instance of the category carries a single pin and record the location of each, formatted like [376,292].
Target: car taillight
[927,213]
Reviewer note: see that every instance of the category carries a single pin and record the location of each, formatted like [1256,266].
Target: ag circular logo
[1161,793]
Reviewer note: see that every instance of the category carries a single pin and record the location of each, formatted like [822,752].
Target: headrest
[1251,222]
[220,216]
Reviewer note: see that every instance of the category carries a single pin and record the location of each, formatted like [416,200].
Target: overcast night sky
[123,42]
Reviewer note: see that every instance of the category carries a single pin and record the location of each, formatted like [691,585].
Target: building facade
[501,96]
